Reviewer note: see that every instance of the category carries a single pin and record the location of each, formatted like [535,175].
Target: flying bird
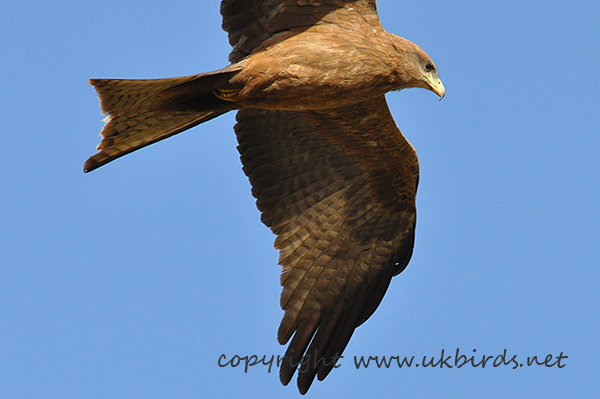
[333,176]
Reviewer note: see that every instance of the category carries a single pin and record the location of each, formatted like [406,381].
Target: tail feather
[144,111]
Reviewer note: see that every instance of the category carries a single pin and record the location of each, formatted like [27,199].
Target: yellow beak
[436,86]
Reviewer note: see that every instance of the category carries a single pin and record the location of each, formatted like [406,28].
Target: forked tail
[144,111]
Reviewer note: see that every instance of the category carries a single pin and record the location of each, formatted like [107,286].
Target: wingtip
[286,372]
[303,390]
[305,383]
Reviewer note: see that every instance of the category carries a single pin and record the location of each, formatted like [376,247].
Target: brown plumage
[334,178]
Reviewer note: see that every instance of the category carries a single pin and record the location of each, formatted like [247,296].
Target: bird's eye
[429,67]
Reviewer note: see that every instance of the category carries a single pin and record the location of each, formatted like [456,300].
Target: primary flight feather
[333,176]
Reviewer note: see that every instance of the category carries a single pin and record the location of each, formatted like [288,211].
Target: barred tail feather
[144,111]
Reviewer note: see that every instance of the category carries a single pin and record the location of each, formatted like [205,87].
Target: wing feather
[250,23]
[342,230]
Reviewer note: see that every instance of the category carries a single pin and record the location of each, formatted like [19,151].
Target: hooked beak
[436,85]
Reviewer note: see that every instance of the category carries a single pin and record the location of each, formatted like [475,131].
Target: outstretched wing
[249,23]
[338,189]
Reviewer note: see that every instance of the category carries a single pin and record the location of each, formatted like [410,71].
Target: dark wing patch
[342,231]
[249,23]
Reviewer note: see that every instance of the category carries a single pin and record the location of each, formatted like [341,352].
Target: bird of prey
[332,174]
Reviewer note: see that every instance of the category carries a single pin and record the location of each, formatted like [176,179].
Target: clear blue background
[131,281]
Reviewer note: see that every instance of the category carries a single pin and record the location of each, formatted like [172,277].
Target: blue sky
[131,281]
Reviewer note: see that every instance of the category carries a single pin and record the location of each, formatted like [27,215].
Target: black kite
[334,178]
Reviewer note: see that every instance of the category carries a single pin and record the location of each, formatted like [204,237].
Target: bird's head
[431,79]
[416,69]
